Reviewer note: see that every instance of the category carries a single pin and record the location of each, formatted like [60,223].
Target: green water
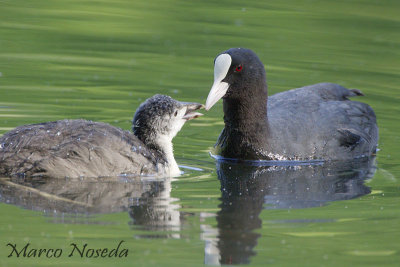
[99,60]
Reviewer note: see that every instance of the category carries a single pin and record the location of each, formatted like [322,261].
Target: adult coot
[76,148]
[313,122]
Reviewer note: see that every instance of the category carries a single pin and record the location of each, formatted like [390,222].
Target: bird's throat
[245,112]
[246,126]
[165,146]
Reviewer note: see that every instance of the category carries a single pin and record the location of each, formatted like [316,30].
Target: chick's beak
[191,110]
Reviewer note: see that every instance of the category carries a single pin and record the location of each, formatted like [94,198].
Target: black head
[161,117]
[238,72]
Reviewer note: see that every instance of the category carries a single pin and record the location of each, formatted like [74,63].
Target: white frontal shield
[219,88]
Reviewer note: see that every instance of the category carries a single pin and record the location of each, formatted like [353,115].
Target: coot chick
[80,148]
[313,122]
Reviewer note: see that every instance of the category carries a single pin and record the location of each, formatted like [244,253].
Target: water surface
[99,60]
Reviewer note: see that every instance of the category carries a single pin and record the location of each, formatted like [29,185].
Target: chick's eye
[239,68]
[176,113]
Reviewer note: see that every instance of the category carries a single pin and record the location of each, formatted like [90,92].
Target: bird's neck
[162,144]
[246,126]
[165,146]
[246,112]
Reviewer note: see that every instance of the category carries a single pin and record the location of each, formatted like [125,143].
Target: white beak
[219,88]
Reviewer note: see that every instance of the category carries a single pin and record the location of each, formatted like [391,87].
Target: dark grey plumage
[75,148]
[312,122]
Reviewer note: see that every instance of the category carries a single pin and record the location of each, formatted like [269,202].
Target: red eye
[239,68]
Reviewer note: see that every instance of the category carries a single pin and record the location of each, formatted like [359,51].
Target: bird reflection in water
[247,189]
[148,200]
[156,213]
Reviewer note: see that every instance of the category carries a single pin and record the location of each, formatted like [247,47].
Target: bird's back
[320,122]
[74,148]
